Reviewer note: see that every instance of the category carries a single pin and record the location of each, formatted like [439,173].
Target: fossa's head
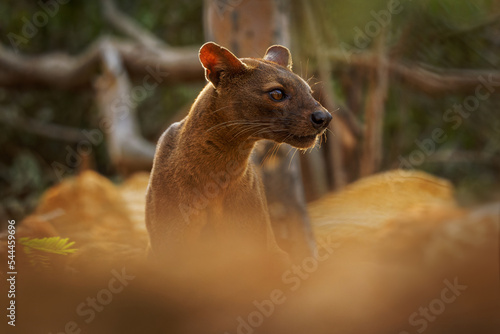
[263,98]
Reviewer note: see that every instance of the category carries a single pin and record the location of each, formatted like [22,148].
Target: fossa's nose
[320,119]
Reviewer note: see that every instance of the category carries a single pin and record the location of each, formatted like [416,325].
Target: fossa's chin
[302,142]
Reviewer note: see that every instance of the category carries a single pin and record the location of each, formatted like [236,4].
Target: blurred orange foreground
[397,255]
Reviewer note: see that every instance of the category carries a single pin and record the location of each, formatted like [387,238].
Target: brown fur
[203,181]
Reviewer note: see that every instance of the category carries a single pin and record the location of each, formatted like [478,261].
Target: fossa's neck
[213,141]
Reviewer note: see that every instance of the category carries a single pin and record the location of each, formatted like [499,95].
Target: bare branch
[49,130]
[164,65]
[63,71]
[457,156]
[429,80]
[128,150]
[54,70]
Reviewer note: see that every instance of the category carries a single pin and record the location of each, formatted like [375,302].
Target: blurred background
[413,84]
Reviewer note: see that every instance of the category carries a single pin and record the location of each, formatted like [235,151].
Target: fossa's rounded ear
[217,59]
[280,55]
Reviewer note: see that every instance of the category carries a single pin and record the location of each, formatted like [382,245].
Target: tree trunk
[334,154]
[374,117]
[248,28]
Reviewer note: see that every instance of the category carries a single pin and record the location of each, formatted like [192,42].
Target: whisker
[266,156]
[322,139]
[259,131]
[277,149]
[307,66]
[237,122]
[221,108]
[250,128]
[228,123]
[291,159]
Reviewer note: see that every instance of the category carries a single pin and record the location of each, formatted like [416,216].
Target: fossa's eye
[277,94]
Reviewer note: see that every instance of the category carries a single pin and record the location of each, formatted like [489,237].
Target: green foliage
[38,249]
[460,13]
[76,24]
[55,245]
